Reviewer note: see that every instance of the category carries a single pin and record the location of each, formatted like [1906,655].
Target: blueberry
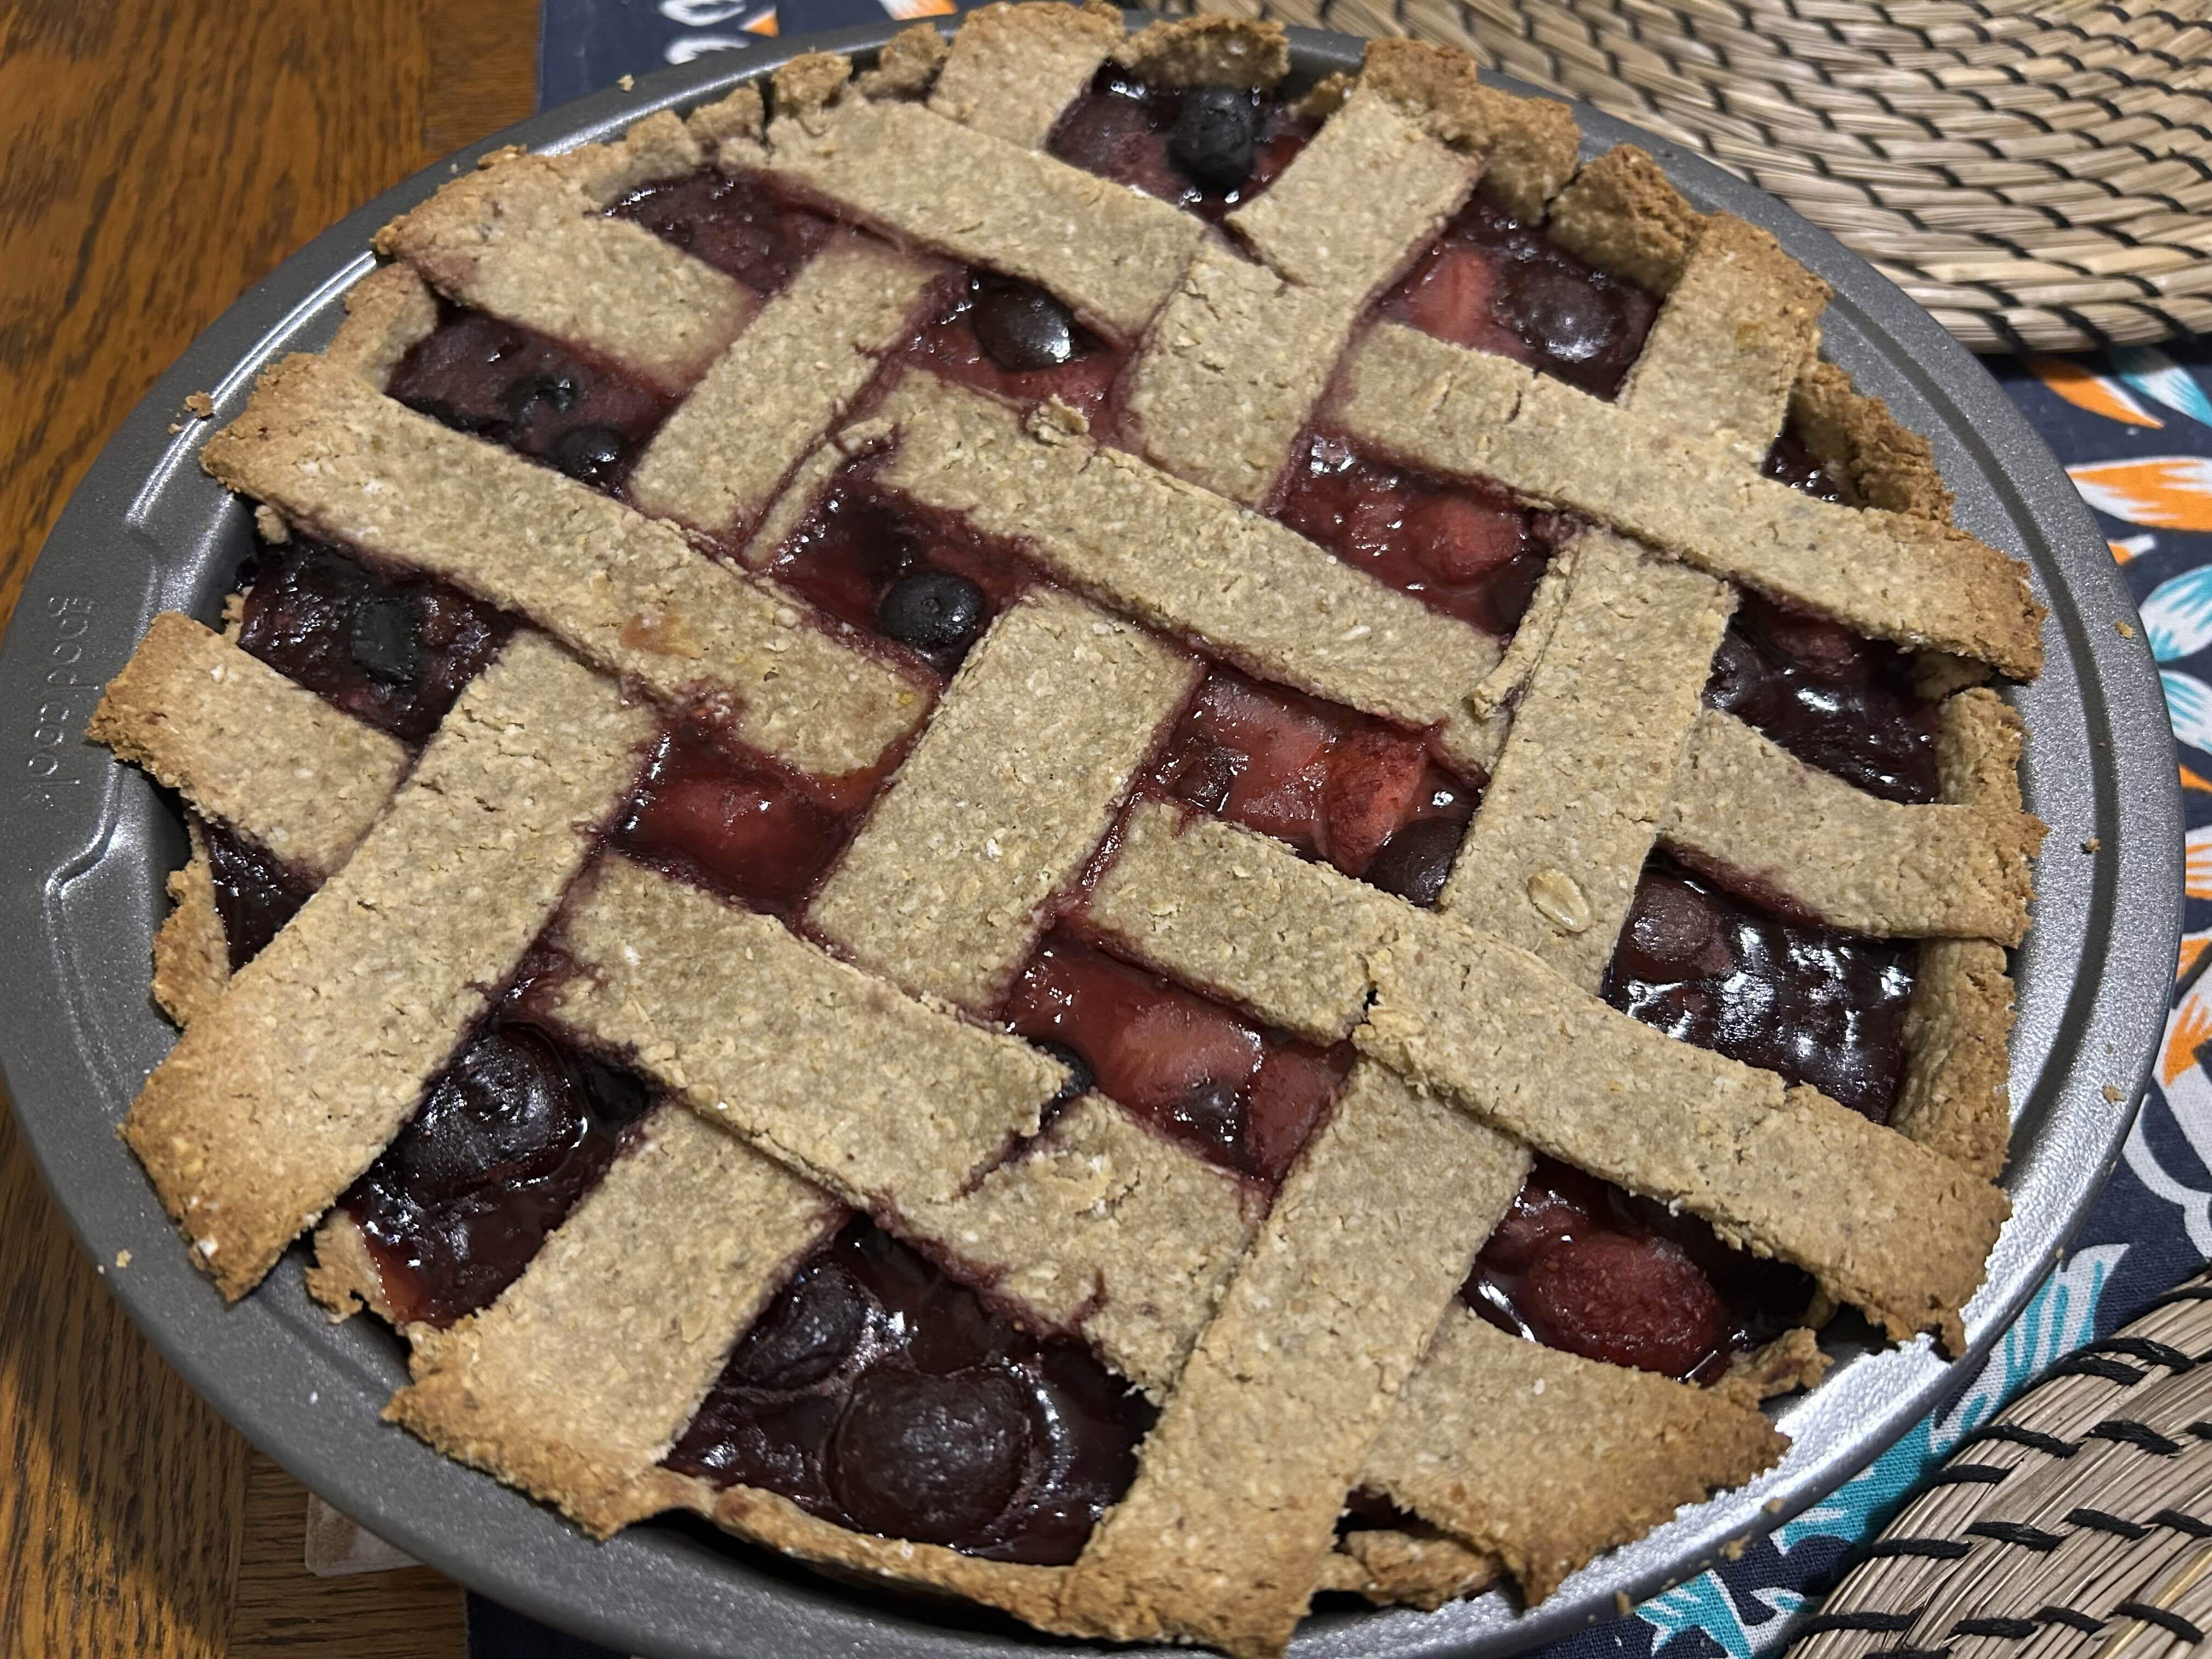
[593,454]
[1214,132]
[381,639]
[807,1333]
[1081,1080]
[1414,862]
[1022,328]
[933,610]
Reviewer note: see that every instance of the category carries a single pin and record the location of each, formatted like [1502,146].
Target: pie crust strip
[1110,253]
[1256,593]
[1469,414]
[1879,1221]
[522,240]
[625,591]
[716,462]
[1239,356]
[1811,846]
[867,1091]
[573,1384]
[1955,1096]
[1547,1459]
[276,1097]
[247,747]
[1002,799]
[389,313]
[1331,1310]
[192,951]
[1012,70]
[1551,859]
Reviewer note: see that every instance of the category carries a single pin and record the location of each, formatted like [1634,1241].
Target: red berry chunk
[1372,788]
[1451,295]
[1245,1096]
[1639,1302]
[735,822]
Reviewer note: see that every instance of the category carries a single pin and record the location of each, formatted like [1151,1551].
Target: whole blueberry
[933,610]
[591,454]
[381,639]
[1022,328]
[1214,132]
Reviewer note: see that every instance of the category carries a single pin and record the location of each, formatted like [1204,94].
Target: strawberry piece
[750,833]
[1293,1087]
[1639,1302]
[1285,748]
[1374,783]
[1461,539]
[1451,295]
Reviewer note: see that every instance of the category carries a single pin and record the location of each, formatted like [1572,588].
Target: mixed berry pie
[1056,821]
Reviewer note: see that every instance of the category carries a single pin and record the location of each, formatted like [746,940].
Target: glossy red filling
[1330,781]
[255,892]
[1016,342]
[1243,1094]
[1465,550]
[876,1394]
[736,225]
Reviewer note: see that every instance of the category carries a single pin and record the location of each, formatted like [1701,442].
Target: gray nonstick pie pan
[87,842]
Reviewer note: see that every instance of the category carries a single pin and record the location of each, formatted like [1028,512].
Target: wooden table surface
[156,157]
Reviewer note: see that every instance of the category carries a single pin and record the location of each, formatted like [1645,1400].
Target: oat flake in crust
[1135,743]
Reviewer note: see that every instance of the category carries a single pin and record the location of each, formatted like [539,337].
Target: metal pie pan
[89,841]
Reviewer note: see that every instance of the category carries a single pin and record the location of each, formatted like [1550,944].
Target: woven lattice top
[745,342]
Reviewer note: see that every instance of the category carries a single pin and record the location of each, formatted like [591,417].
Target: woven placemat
[2079,1520]
[2038,175]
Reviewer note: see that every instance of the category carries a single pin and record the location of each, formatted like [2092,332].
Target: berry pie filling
[738,225]
[1000,335]
[1494,284]
[877,1392]
[1204,150]
[255,892]
[530,393]
[520,1127]
[1242,1094]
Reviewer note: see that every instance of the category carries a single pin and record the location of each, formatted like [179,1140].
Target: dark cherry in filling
[1791,461]
[737,823]
[1245,1095]
[1495,284]
[526,390]
[1464,550]
[1333,783]
[1818,1006]
[392,651]
[255,892]
[736,225]
[517,1129]
[876,1392]
[1580,1265]
[1194,148]
[1834,699]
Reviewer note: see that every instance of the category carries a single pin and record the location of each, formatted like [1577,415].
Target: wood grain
[156,157]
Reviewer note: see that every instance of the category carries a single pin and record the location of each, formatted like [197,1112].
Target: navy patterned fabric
[2135,429]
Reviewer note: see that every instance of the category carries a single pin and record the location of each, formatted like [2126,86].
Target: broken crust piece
[389,313]
[1014,68]
[1557,1458]
[1209,51]
[343,1276]
[192,953]
[907,67]
[1882,461]
[1394,1568]
[1529,142]
[287,1087]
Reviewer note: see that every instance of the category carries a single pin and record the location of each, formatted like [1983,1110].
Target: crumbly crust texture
[717,461]
[1555,1458]
[1623,214]
[1530,142]
[627,593]
[871,1093]
[1209,51]
[1746,809]
[1956,1095]
[1003,797]
[1013,68]
[1881,1223]
[1469,414]
[1883,462]
[1096,516]
[1110,253]
[389,313]
[574,1384]
[1551,859]
[343,1276]
[282,1093]
[247,747]
[522,240]
[191,954]
[907,67]
[1330,1312]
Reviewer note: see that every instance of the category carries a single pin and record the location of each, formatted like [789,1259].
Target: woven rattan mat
[2079,1520]
[2036,172]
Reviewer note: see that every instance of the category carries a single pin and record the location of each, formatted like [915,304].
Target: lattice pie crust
[1296,1349]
